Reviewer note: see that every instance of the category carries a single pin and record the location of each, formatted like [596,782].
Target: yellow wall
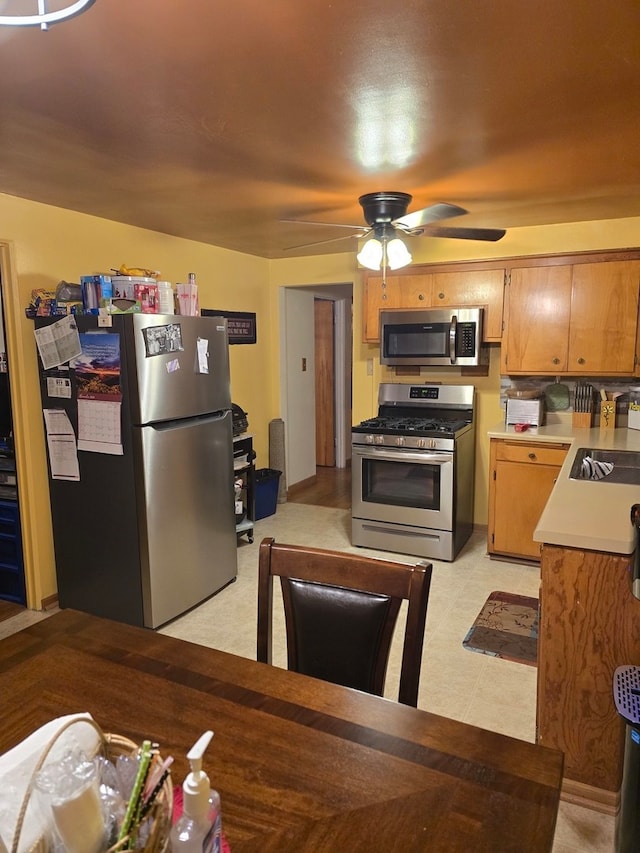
[44,244]
[40,245]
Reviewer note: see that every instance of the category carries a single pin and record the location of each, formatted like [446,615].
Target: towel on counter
[592,469]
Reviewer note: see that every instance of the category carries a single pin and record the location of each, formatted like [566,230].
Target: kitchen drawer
[531,453]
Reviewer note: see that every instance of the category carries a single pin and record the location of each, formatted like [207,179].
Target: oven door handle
[405,456]
[453,332]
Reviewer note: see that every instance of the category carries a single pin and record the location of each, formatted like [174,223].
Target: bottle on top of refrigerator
[199,828]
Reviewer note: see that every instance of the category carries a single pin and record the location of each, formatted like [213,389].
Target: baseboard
[49,602]
[596,799]
[301,484]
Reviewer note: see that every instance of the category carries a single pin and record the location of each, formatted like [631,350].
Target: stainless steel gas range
[413,471]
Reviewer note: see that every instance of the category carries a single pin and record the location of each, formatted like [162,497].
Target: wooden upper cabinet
[435,290]
[377,297]
[476,287]
[415,290]
[578,319]
[604,317]
[537,311]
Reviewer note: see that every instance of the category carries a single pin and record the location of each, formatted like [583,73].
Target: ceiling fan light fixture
[397,254]
[43,17]
[370,256]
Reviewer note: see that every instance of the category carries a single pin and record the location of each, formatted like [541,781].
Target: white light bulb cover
[397,254]
[370,256]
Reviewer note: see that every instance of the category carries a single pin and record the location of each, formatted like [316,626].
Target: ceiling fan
[387,220]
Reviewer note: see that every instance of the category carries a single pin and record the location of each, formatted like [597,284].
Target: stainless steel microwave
[436,337]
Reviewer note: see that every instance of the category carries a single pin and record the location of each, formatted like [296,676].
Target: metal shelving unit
[244,469]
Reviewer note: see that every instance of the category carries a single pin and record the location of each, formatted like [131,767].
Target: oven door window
[406,484]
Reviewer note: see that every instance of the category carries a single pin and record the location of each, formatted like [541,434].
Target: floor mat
[506,627]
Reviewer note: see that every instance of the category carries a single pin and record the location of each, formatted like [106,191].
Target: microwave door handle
[453,331]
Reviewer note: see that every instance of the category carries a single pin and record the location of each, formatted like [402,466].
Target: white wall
[298,343]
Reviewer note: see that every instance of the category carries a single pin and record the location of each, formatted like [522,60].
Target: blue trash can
[267,485]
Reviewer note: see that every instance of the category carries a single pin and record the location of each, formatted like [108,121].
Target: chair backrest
[340,614]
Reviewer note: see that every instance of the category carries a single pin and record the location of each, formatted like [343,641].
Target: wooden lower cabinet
[589,625]
[521,477]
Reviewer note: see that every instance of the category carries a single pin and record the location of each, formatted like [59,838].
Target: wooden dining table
[300,764]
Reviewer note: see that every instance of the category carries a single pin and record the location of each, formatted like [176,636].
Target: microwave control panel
[466,340]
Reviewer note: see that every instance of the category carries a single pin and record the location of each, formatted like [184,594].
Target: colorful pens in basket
[133,806]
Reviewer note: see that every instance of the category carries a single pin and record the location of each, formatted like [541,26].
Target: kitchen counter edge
[584,514]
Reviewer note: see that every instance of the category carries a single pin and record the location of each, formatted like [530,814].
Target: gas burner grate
[409,425]
[626,693]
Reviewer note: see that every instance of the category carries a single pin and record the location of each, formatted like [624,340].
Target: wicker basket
[111,746]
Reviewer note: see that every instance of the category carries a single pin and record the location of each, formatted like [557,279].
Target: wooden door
[483,288]
[522,477]
[538,306]
[325,383]
[604,318]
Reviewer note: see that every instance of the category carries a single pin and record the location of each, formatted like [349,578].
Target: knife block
[581,419]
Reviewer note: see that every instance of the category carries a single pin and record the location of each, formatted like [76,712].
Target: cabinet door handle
[532,456]
[421,297]
[441,296]
[555,360]
[581,361]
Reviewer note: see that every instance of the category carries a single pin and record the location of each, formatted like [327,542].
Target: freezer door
[186,513]
[176,366]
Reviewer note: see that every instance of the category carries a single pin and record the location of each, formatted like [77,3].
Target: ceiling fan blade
[488,234]
[433,213]
[332,240]
[330,224]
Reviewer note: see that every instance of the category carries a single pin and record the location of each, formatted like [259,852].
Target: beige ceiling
[215,119]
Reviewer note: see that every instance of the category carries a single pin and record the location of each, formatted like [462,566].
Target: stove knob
[400,441]
[421,442]
[432,443]
[379,439]
[368,439]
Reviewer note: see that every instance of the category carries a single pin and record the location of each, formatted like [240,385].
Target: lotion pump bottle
[199,828]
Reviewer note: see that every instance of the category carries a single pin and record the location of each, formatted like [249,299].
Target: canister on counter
[634,407]
[525,406]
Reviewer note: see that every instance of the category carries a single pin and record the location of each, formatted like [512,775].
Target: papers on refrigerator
[61,441]
[59,342]
[99,427]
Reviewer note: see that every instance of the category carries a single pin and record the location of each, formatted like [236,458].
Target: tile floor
[475,688]
[478,689]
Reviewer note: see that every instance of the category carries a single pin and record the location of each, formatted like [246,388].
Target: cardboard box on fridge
[122,305]
[95,289]
[147,295]
[634,415]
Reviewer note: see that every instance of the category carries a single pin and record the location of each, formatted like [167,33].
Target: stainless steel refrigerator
[148,530]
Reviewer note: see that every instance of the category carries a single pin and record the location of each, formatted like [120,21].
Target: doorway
[316,382]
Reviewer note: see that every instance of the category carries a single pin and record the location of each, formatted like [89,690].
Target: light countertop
[589,514]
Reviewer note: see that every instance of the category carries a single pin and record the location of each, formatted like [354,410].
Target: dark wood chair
[340,614]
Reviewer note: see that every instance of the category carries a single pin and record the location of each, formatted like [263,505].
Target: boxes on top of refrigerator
[96,290]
